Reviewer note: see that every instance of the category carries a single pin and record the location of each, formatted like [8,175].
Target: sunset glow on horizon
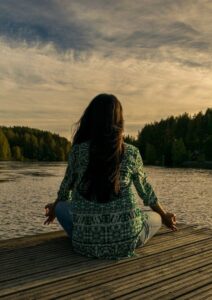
[55,56]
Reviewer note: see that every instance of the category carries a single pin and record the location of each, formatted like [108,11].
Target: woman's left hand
[169,219]
[50,214]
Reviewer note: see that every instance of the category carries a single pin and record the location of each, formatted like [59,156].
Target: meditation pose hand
[169,219]
[50,214]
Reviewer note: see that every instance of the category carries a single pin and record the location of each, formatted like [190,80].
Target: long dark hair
[102,124]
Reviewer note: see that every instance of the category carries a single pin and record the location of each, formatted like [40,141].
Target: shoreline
[205,165]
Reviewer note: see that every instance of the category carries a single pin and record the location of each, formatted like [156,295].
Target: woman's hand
[169,219]
[50,214]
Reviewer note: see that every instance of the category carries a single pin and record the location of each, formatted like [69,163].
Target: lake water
[26,187]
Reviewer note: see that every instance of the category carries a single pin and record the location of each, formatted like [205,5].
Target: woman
[96,204]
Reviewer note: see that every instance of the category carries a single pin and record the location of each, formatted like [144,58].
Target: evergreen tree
[5,153]
[16,153]
[168,154]
[208,148]
[150,154]
[178,152]
[29,143]
[193,135]
[60,154]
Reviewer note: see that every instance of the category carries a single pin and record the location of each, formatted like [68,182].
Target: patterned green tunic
[107,230]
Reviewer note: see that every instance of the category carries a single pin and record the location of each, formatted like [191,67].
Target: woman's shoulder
[78,150]
[83,147]
[80,145]
[131,149]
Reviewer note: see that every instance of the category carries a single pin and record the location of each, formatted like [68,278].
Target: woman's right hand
[169,220]
[50,214]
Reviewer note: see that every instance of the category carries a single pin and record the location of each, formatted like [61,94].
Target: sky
[57,55]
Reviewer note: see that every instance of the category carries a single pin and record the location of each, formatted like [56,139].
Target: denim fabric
[64,217]
[152,224]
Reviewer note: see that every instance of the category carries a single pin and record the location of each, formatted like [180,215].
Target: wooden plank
[192,285]
[12,258]
[173,254]
[44,246]
[46,267]
[162,288]
[170,245]
[79,268]
[51,249]
[171,288]
[126,284]
[37,261]
[177,235]
[41,268]
[30,240]
[203,293]
[39,239]
[99,264]
[108,278]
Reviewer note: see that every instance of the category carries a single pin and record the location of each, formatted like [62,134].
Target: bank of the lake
[189,164]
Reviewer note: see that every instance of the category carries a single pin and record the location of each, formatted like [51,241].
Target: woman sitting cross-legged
[96,204]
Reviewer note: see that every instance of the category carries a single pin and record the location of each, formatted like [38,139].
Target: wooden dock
[173,265]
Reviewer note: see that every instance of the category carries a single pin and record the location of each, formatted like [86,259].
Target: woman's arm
[69,177]
[143,187]
[148,195]
[63,192]
[65,186]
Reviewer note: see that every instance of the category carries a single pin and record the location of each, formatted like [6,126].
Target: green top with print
[106,230]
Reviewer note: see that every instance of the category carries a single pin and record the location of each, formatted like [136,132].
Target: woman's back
[111,229]
[81,157]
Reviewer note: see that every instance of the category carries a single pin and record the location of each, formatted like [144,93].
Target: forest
[177,141]
[173,142]
[24,143]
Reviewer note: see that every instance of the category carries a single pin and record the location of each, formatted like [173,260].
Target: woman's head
[103,117]
[102,124]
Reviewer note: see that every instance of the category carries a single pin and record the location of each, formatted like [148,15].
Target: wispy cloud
[57,55]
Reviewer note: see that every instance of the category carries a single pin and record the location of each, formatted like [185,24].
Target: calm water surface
[26,187]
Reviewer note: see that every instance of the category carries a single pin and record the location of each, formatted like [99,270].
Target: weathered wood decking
[170,266]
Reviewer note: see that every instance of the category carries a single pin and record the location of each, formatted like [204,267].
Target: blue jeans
[63,216]
[152,222]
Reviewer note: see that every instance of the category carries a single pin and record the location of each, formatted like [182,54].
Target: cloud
[57,55]
[108,26]
[42,22]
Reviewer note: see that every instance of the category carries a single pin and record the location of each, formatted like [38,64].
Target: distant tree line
[24,143]
[176,140]
[171,142]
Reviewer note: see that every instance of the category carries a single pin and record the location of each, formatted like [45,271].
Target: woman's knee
[157,219]
[154,219]
[59,208]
